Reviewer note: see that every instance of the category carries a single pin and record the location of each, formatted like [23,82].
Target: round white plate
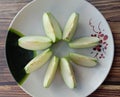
[91,23]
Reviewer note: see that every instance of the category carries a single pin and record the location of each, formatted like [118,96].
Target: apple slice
[38,61]
[52,68]
[70,27]
[83,60]
[34,42]
[85,42]
[52,27]
[67,73]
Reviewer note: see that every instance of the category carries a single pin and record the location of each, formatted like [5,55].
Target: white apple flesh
[85,42]
[83,60]
[70,27]
[67,73]
[52,27]
[34,42]
[51,71]
[38,61]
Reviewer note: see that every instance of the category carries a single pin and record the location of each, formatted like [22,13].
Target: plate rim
[113,51]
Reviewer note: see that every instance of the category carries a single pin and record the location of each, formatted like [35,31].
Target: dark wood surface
[109,8]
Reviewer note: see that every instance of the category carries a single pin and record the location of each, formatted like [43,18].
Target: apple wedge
[34,42]
[67,73]
[85,42]
[38,61]
[70,27]
[83,60]
[52,27]
[51,71]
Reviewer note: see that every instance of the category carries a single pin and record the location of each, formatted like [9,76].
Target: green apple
[51,71]
[52,27]
[38,61]
[67,73]
[85,42]
[83,60]
[34,42]
[70,27]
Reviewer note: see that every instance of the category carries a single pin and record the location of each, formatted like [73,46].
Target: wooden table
[109,8]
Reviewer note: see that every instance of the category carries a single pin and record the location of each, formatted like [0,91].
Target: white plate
[29,22]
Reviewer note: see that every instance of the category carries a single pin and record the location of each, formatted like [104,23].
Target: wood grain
[109,8]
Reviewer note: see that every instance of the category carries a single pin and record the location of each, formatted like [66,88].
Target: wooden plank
[107,91]
[12,91]
[109,8]
[8,86]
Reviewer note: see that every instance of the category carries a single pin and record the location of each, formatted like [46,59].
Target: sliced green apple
[83,60]
[85,42]
[67,73]
[38,61]
[34,42]
[70,27]
[52,27]
[51,71]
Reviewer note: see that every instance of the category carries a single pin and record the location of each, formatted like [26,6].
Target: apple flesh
[38,61]
[52,27]
[67,73]
[83,60]
[51,71]
[85,42]
[70,27]
[34,42]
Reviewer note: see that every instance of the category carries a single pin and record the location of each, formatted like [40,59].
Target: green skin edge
[23,80]
[35,53]
[26,76]
[16,32]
